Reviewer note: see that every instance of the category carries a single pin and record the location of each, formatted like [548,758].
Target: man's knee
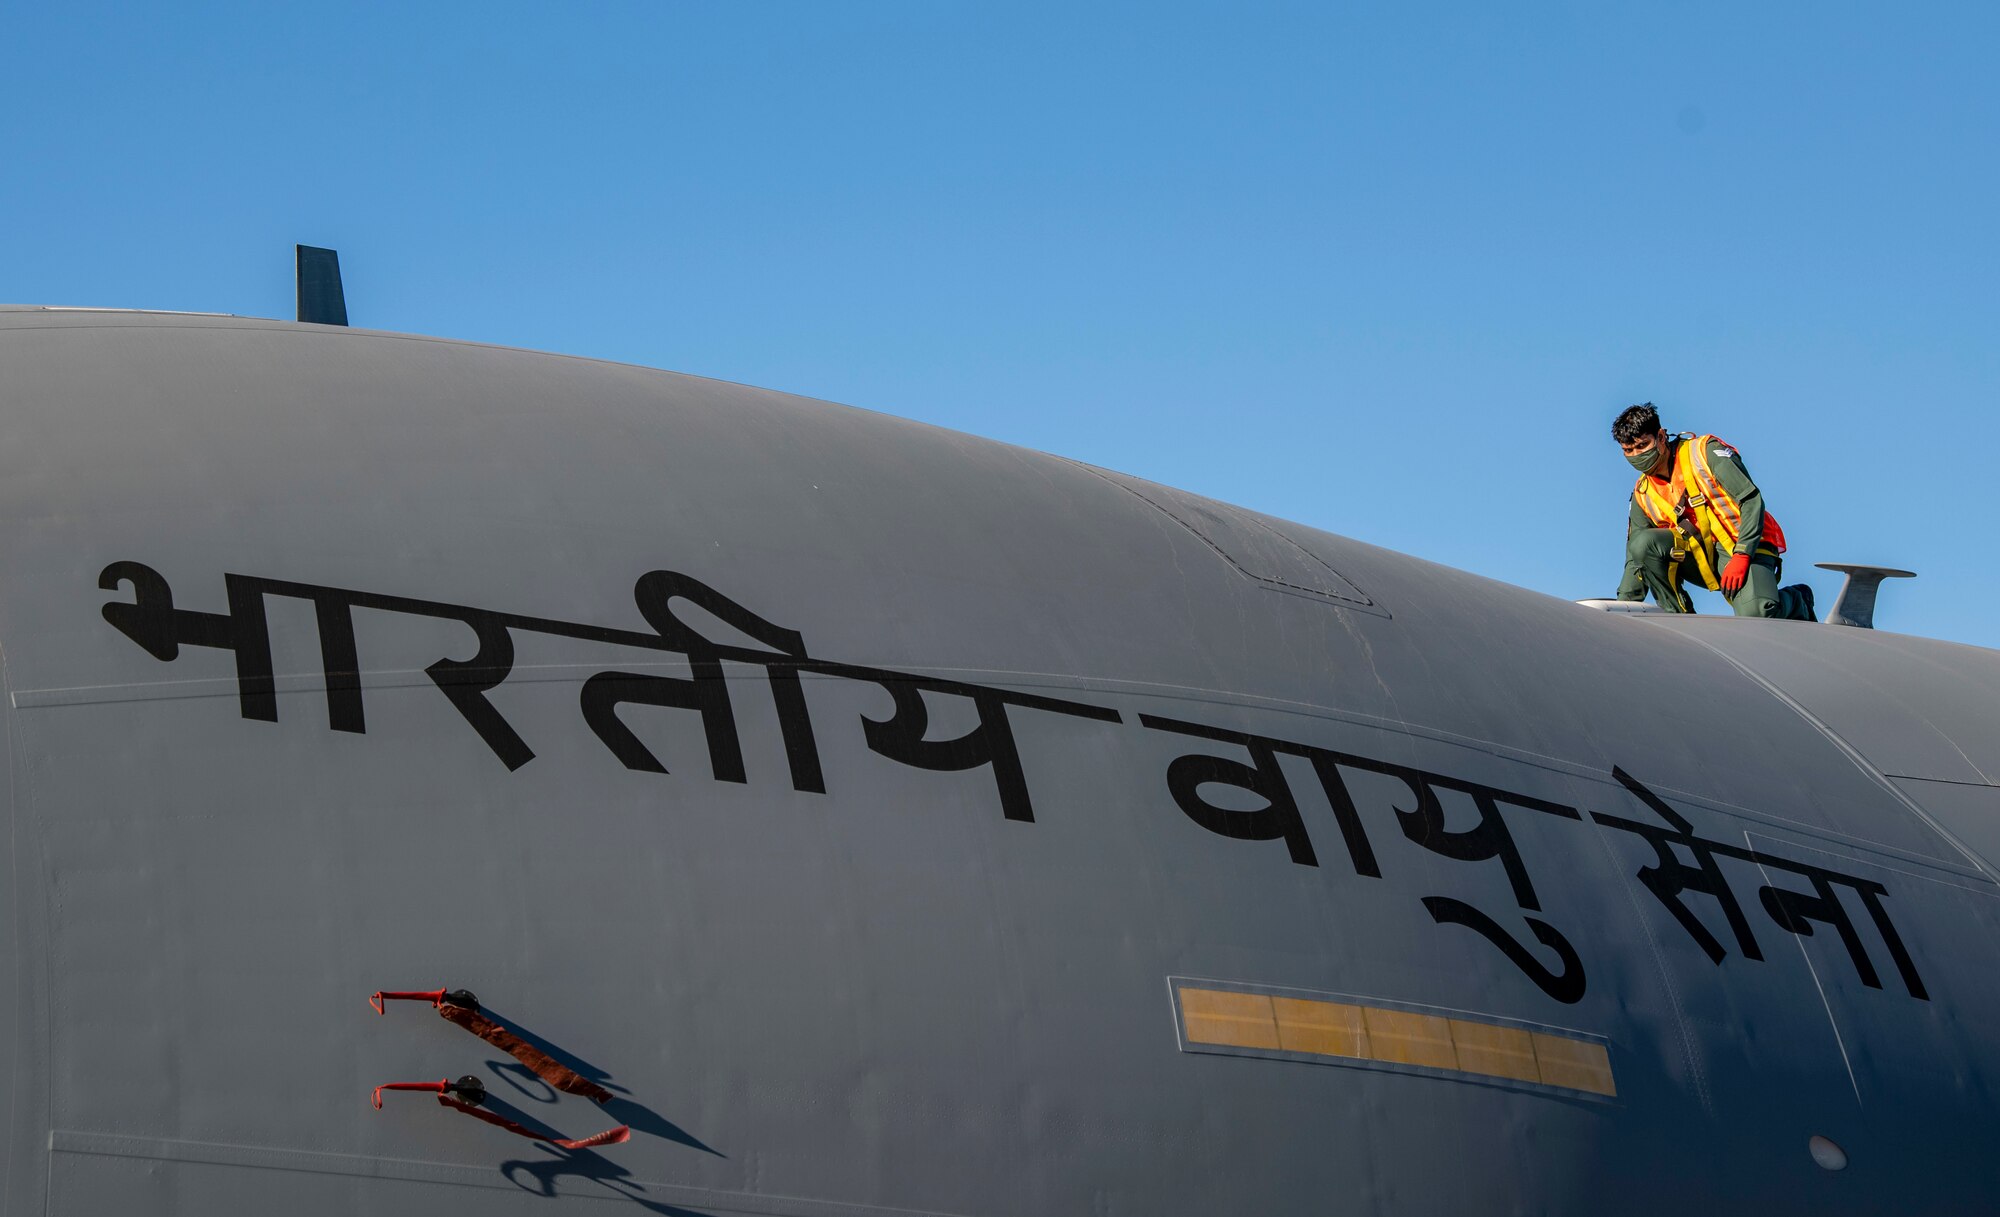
[1648,544]
[1759,596]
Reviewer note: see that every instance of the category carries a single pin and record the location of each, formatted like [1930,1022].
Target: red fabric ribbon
[544,1066]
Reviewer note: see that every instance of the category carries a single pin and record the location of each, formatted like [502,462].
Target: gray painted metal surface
[943,977]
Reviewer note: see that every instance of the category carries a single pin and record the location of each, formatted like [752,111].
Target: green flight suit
[1650,565]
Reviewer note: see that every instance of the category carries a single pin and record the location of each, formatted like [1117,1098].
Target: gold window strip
[1260,1021]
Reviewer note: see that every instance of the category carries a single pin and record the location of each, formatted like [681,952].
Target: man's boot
[1796,603]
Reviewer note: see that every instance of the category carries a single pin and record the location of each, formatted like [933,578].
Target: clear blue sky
[1387,269]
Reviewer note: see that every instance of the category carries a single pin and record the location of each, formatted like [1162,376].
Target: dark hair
[1635,422]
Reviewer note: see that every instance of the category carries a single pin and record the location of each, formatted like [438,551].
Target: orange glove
[1735,573]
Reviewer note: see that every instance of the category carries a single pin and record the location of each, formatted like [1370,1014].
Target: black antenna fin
[321,300]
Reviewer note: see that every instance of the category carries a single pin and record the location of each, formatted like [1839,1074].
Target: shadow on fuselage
[621,1106]
[540,1177]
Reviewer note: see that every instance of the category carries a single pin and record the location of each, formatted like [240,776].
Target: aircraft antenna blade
[1856,605]
[321,300]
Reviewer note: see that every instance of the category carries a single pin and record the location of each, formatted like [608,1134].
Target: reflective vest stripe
[1658,501]
[1727,507]
[1728,513]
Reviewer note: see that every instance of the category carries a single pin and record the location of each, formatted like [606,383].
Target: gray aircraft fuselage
[902,822]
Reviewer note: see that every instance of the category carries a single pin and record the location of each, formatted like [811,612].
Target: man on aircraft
[1697,517]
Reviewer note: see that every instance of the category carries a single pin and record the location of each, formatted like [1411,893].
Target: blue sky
[1387,269]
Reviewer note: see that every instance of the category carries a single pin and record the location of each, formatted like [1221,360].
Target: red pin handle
[437,1088]
[434,996]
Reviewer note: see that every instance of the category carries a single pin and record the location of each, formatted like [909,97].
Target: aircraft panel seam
[314,682]
[1911,777]
[1855,755]
[411,1170]
[1819,987]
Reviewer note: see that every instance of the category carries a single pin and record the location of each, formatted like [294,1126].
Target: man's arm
[1633,585]
[1731,475]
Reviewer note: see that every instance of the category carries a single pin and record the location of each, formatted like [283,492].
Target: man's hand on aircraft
[1735,573]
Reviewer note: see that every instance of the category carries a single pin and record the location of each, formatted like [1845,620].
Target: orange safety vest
[1716,515]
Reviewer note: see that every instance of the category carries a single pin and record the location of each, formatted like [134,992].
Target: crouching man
[1697,518]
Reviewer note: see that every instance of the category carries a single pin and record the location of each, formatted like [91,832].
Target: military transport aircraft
[801,811]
